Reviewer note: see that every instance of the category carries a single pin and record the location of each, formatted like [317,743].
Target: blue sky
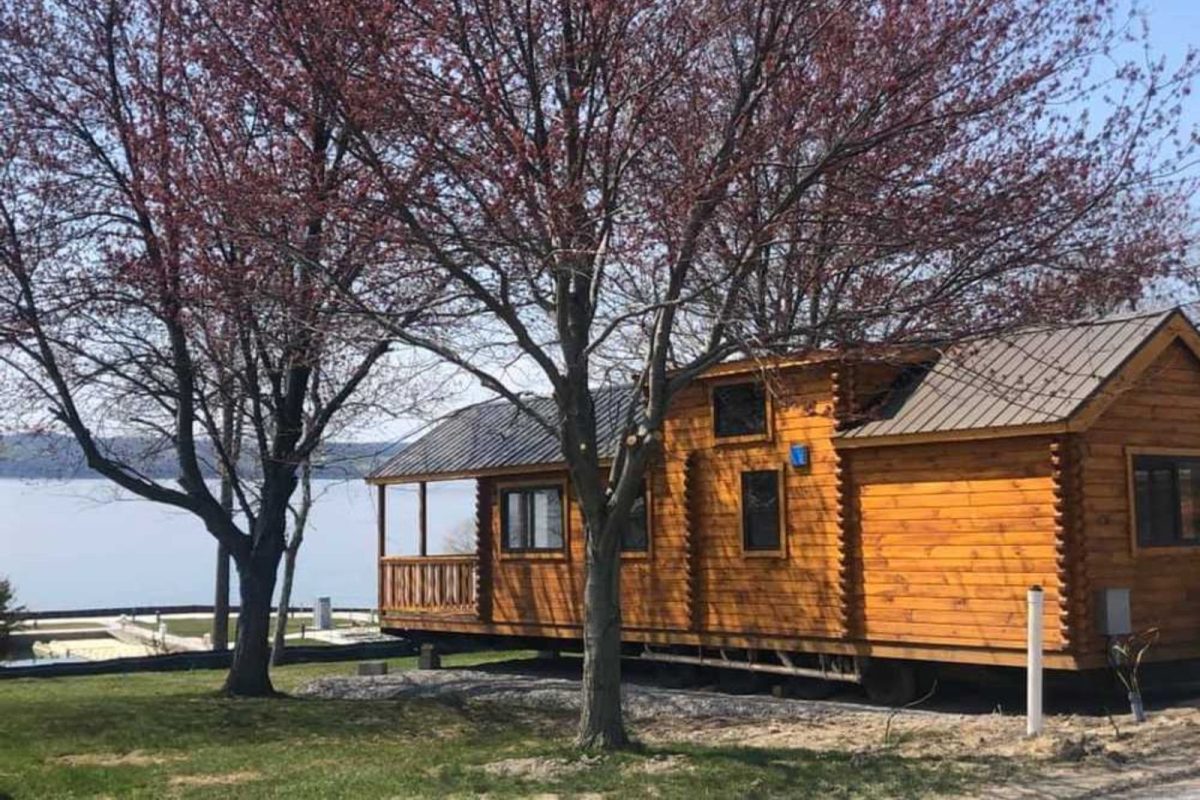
[1174,28]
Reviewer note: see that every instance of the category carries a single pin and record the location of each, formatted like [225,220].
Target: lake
[86,544]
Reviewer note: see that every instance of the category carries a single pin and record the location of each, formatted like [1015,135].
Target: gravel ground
[1079,756]
[541,692]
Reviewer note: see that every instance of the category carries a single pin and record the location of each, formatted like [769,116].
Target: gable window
[635,536]
[531,518]
[1166,499]
[739,409]
[760,510]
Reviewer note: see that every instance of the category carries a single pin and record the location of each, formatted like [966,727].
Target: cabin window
[760,510]
[635,537]
[739,409]
[532,518]
[1166,498]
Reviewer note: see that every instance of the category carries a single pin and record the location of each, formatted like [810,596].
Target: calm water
[83,543]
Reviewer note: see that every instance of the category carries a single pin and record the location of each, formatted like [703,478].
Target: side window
[760,510]
[531,518]
[739,409]
[635,538]
[1166,500]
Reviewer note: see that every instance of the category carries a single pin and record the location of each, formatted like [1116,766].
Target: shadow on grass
[413,747]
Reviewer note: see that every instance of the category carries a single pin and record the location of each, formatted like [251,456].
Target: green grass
[171,735]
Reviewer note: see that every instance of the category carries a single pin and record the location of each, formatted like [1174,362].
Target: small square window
[532,518]
[1166,500]
[739,409]
[760,510]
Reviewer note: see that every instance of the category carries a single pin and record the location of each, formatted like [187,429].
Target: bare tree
[163,232]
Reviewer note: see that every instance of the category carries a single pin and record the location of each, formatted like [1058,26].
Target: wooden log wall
[695,576]
[952,536]
[1069,544]
[844,406]
[929,544]
[1159,411]
[483,549]
[691,487]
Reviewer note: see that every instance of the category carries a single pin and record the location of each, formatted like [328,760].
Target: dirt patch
[660,765]
[1077,756]
[539,769]
[217,779]
[134,758]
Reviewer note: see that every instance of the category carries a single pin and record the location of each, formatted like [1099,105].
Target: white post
[1033,685]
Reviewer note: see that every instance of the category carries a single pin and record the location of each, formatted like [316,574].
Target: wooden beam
[515,471]
[381,532]
[422,494]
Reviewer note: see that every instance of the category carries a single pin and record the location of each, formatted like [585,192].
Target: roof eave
[959,435]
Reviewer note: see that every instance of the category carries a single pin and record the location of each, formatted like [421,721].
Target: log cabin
[851,518]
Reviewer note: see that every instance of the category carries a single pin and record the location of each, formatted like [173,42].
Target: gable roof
[498,435]
[1029,377]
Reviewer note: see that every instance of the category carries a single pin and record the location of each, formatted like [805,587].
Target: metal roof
[1026,377]
[500,434]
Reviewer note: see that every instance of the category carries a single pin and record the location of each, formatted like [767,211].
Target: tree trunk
[285,600]
[230,443]
[220,621]
[249,674]
[299,523]
[601,725]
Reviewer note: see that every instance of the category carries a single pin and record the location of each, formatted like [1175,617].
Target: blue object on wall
[799,455]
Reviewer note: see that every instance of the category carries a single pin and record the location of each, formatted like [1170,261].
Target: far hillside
[54,456]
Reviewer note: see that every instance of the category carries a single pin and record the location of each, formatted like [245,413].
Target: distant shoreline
[51,456]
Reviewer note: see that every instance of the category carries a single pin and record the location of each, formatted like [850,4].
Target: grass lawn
[171,735]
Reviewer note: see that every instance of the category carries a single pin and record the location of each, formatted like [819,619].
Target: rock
[373,668]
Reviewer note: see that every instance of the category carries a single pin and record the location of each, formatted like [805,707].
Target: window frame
[644,553]
[512,487]
[780,551]
[768,412]
[1176,548]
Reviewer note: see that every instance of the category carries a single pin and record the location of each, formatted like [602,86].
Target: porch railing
[430,584]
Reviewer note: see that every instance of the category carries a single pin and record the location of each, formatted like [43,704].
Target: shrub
[10,615]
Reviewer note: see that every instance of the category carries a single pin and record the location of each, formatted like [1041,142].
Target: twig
[887,727]
[1112,721]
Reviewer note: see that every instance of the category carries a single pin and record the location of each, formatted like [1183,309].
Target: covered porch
[483,449]
[420,583]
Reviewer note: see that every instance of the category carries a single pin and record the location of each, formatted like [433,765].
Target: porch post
[381,532]
[421,493]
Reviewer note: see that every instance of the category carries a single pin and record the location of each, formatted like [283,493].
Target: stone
[429,658]
[372,668]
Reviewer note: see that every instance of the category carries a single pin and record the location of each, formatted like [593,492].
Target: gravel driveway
[542,692]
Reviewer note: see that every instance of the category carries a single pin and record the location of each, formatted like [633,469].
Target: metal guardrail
[142,611]
[210,660]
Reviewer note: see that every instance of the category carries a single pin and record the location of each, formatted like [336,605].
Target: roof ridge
[1090,322]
